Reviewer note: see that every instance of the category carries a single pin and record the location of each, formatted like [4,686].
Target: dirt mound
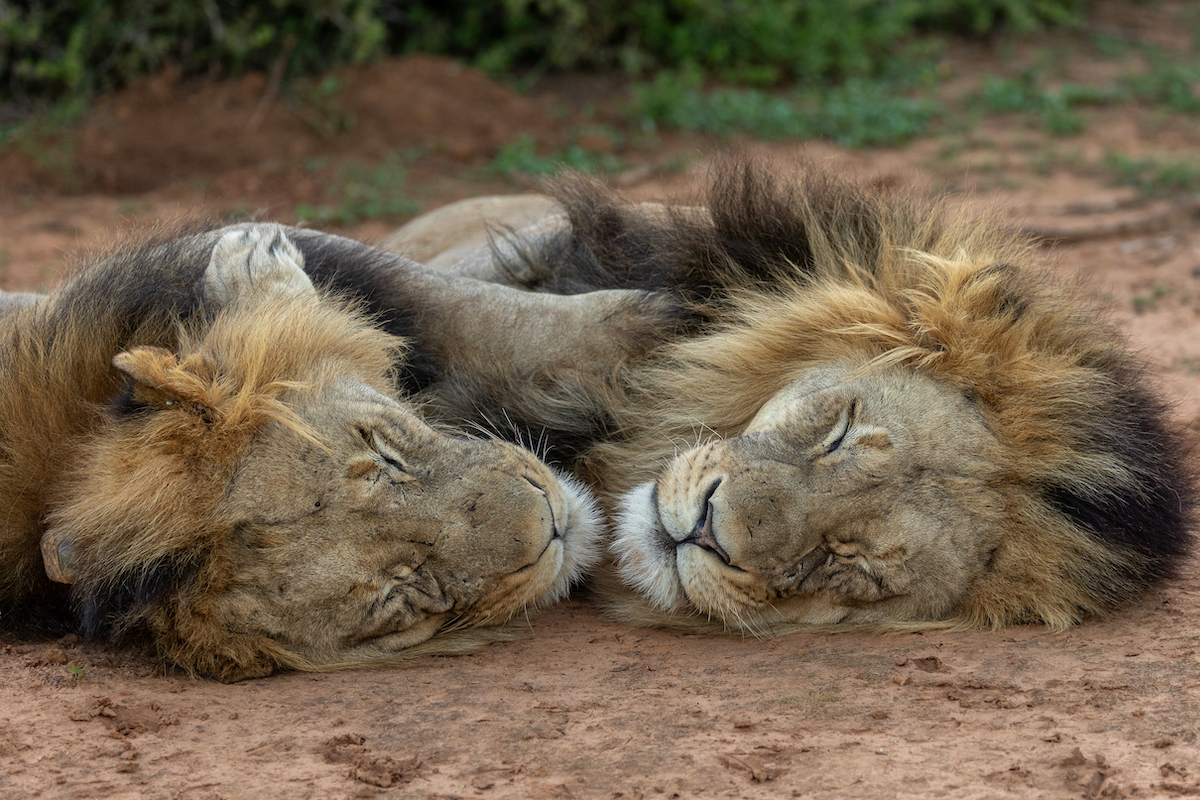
[162,130]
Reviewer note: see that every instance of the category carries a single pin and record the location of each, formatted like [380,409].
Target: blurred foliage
[364,192]
[857,113]
[53,50]
[1154,176]
[521,157]
[745,41]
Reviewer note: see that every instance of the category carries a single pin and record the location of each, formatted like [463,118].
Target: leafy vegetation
[61,49]
[1169,82]
[1154,176]
[67,48]
[857,113]
[855,72]
[743,41]
[1026,94]
[521,157]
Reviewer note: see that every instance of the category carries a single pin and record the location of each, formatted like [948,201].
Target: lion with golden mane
[877,412]
[198,442]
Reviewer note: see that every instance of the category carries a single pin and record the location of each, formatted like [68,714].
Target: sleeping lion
[202,445]
[877,412]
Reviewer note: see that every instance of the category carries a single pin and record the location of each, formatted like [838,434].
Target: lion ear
[158,379]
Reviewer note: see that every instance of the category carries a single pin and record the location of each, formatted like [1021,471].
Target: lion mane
[878,411]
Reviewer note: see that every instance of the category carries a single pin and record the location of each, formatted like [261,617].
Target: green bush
[857,113]
[55,49]
[747,41]
[50,49]
[1058,108]
[1154,176]
[520,157]
[983,16]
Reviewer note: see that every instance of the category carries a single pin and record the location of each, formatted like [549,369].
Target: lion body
[878,413]
[207,448]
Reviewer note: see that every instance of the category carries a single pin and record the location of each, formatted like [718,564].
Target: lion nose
[702,534]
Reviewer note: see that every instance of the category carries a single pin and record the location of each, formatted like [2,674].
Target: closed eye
[384,449]
[388,453]
[842,429]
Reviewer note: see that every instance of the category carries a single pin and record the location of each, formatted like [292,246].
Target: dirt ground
[577,706]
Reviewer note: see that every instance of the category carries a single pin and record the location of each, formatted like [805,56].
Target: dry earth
[577,706]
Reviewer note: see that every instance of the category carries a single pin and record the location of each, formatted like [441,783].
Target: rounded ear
[158,379]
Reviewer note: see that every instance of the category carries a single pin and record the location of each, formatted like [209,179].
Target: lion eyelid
[387,452]
[845,423]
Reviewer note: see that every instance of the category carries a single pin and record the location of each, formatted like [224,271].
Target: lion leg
[254,259]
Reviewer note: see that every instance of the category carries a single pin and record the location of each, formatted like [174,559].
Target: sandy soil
[577,706]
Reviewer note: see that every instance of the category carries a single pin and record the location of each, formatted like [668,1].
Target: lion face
[375,538]
[853,496]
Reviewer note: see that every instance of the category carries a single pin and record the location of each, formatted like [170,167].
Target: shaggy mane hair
[785,273]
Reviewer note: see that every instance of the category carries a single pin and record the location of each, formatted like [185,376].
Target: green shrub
[57,48]
[1153,176]
[51,49]
[983,16]
[856,114]
[1168,83]
[1058,108]
[744,41]
[521,157]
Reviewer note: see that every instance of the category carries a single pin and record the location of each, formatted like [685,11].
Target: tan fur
[447,237]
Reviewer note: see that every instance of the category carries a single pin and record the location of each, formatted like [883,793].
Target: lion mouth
[577,525]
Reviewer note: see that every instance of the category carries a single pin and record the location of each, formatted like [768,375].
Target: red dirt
[580,707]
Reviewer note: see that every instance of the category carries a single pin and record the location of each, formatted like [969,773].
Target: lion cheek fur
[645,554]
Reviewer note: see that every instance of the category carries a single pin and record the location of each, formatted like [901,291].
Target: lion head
[258,498]
[897,419]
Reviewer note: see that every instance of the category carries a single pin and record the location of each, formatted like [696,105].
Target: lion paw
[255,259]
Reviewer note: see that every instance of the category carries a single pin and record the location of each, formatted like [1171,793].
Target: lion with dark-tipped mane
[876,412]
[217,437]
